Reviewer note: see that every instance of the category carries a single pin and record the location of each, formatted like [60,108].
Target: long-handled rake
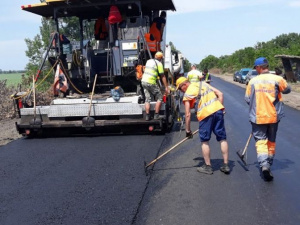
[35,122]
[166,152]
[89,121]
[243,154]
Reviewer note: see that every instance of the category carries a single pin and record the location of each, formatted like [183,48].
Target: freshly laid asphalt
[101,179]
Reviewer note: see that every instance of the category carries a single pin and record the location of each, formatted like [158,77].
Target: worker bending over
[153,70]
[263,95]
[208,102]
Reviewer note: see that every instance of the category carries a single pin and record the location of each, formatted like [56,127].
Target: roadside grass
[12,79]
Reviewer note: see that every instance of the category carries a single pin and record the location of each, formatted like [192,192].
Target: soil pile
[8,111]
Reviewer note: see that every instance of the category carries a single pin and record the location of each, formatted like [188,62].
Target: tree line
[11,71]
[284,44]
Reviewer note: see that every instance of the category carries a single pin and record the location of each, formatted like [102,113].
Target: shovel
[35,122]
[242,155]
[88,121]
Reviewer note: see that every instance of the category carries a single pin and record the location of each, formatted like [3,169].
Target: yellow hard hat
[159,55]
[179,81]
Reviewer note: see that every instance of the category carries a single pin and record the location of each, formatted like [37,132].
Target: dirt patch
[8,131]
[8,115]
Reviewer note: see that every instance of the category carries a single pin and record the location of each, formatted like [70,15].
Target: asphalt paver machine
[95,76]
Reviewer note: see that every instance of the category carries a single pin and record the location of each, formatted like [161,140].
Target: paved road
[177,194]
[101,180]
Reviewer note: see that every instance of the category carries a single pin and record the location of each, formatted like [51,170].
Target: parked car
[243,73]
[250,75]
[236,76]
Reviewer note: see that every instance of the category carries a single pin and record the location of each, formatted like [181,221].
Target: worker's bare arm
[187,107]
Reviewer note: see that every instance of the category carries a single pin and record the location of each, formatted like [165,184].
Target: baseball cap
[179,81]
[260,61]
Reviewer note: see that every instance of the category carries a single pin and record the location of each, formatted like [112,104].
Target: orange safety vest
[209,102]
[139,70]
[155,32]
[152,44]
[263,94]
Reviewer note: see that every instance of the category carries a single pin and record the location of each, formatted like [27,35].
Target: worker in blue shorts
[208,102]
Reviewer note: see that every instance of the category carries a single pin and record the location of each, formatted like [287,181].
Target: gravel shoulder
[9,132]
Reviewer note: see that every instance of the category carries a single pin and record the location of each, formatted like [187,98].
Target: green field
[13,79]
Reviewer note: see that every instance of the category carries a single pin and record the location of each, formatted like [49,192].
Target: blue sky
[198,28]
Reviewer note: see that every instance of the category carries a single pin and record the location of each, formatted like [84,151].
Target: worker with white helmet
[194,75]
[153,70]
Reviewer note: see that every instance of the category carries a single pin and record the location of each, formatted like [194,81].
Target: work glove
[189,135]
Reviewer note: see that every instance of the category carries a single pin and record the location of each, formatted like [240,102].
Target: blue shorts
[213,123]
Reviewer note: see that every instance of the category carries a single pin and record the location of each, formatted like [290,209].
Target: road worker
[158,26]
[153,69]
[208,102]
[194,75]
[263,95]
[206,76]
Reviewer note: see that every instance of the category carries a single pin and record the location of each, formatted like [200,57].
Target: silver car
[250,75]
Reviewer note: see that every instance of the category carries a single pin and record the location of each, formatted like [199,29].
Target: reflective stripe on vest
[207,76]
[152,45]
[193,76]
[264,98]
[151,71]
[209,103]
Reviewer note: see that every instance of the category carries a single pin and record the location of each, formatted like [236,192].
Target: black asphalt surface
[101,180]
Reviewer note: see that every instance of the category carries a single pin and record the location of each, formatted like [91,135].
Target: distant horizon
[18,71]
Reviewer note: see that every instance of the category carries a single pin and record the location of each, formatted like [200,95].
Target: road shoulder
[292,99]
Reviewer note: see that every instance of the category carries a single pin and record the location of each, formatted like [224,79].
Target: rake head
[244,163]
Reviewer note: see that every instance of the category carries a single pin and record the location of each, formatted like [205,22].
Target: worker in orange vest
[158,25]
[263,95]
[208,102]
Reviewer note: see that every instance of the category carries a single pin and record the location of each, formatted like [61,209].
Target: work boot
[156,116]
[148,117]
[205,169]
[268,176]
[225,168]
